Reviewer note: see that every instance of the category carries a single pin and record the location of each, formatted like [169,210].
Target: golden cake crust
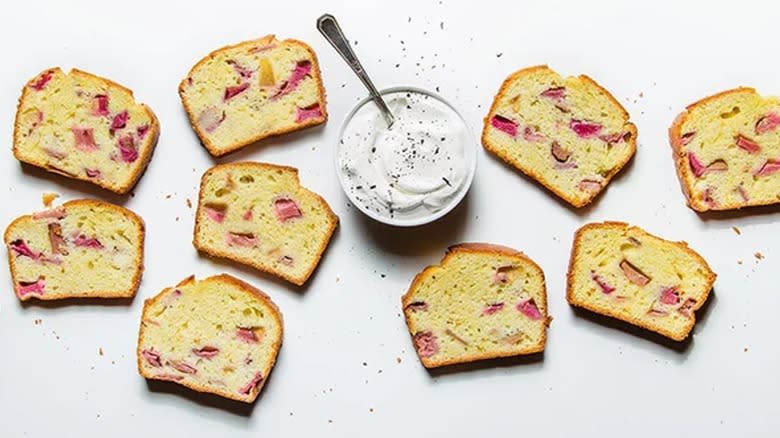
[676,336]
[243,287]
[139,260]
[476,248]
[268,39]
[333,222]
[681,166]
[536,176]
[144,158]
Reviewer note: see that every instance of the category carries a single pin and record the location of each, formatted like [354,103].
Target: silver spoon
[330,29]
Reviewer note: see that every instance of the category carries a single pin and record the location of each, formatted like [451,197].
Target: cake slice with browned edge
[81,249]
[481,301]
[258,214]
[569,134]
[241,94]
[218,335]
[84,127]
[727,150]
[624,272]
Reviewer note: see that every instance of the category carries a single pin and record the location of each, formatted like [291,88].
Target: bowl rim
[471,156]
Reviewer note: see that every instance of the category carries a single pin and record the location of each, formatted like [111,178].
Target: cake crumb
[48,198]
[398,360]
[739,262]
[641,94]
[100,351]
[745,350]
[737,230]
[38,321]
[168,196]
[758,255]
[189,203]
[370,409]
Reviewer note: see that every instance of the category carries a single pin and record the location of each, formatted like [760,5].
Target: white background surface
[344,331]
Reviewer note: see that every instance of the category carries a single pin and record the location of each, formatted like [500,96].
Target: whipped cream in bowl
[410,174]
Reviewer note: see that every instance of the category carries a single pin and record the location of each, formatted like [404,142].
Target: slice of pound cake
[241,94]
[81,249]
[624,272]
[482,301]
[86,128]
[727,150]
[218,335]
[258,214]
[569,134]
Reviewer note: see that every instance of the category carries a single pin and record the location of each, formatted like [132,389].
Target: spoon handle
[331,30]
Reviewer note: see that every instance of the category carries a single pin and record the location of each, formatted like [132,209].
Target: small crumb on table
[736,230]
[758,255]
[48,198]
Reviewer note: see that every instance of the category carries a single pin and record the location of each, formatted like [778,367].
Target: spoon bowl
[470,151]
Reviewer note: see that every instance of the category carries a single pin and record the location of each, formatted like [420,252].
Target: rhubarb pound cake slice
[569,134]
[81,249]
[86,128]
[218,335]
[727,150]
[482,301]
[623,272]
[241,94]
[258,214]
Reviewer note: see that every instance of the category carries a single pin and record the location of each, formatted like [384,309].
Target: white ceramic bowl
[470,151]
